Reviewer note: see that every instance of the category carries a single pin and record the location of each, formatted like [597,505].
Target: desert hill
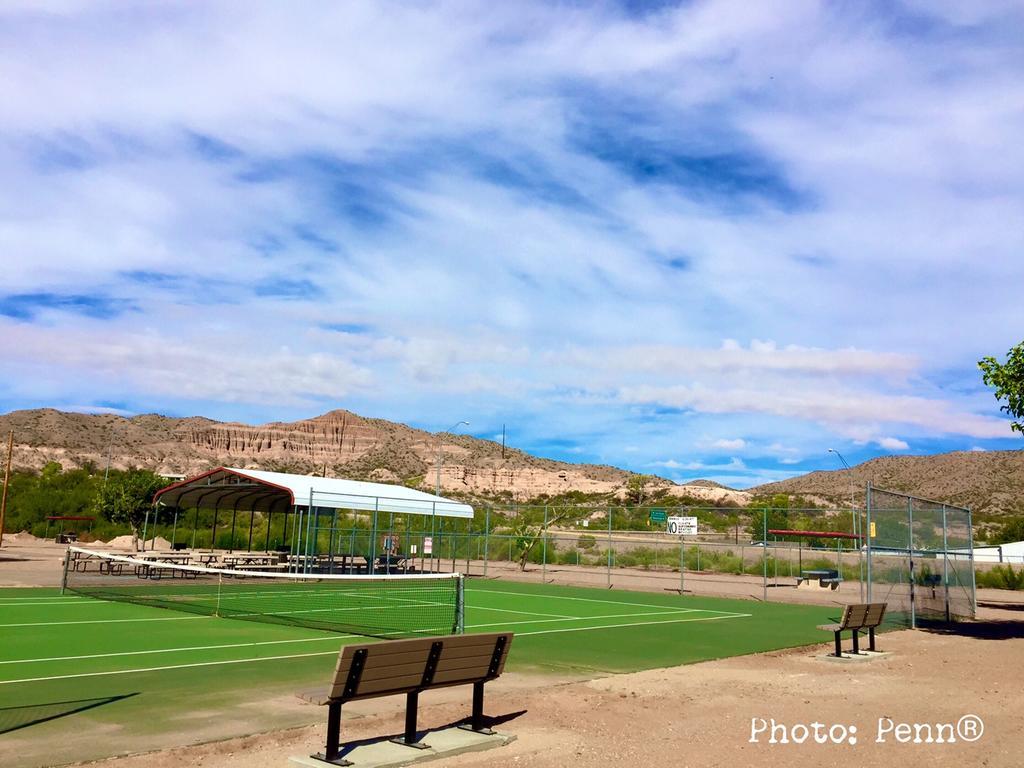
[989,482]
[340,443]
[345,444]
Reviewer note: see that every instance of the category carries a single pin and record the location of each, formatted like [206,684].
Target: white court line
[509,610]
[102,621]
[176,650]
[331,653]
[43,597]
[173,666]
[585,599]
[634,624]
[66,602]
[612,616]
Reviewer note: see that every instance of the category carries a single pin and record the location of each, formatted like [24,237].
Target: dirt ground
[703,714]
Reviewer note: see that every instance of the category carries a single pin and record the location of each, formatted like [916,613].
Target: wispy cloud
[892,444]
[618,224]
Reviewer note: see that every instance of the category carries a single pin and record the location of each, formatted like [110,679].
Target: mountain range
[343,444]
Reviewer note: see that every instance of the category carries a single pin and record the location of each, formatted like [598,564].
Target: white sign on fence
[428,545]
[682,526]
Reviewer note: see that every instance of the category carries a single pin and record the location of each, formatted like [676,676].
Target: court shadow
[16,718]
[1001,606]
[979,630]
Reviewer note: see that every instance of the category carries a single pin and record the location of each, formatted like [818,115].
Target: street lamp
[437,485]
[853,513]
[440,445]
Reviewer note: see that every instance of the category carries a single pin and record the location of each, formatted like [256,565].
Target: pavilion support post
[213,530]
[252,519]
[270,519]
[195,526]
[330,540]
[234,516]
[174,529]
[311,520]
[373,538]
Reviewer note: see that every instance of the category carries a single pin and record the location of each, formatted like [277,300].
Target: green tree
[1011,531]
[635,488]
[1008,381]
[126,496]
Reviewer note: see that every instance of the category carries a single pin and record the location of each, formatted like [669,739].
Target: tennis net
[378,606]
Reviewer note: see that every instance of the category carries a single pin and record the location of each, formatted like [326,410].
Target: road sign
[872,529]
[682,526]
[659,516]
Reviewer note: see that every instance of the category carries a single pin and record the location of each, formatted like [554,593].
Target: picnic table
[157,564]
[825,577]
[179,558]
[251,560]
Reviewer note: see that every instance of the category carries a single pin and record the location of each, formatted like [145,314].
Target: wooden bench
[856,618]
[410,667]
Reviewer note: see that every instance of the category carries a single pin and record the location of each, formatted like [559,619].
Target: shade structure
[279,491]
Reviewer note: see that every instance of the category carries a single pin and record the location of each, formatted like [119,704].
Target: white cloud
[730,445]
[561,214]
[892,444]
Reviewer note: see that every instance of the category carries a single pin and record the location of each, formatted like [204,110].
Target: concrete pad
[858,659]
[444,742]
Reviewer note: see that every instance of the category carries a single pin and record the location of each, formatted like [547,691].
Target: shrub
[1001,577]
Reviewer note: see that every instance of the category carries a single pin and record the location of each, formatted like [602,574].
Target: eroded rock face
[340,443]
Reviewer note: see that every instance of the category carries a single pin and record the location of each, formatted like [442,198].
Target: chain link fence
[920,556]
[917,558]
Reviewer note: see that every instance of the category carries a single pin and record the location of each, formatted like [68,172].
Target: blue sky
[708,239]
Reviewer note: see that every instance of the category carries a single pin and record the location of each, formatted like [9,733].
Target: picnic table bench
[825,577]
[159,564]
[248,560]
[856,618]
[392,667]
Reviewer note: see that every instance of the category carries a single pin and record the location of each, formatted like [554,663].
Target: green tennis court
[82,678]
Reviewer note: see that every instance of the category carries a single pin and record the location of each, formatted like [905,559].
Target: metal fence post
[487,536]
[609,546]
[945,560]
[764,553]
[970,545]
[910,536]
[682,564]
[544,546]
[867,538]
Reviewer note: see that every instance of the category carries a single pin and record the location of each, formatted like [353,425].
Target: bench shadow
[979,630]
[16,718]
[489,722]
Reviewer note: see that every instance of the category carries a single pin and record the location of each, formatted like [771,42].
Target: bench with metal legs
[857,618]
[410,667]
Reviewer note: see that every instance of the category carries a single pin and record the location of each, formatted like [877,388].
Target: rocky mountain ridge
[339,443]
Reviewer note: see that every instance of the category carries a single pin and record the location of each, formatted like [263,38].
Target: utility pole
[855,521]
[7,484]
[440,457]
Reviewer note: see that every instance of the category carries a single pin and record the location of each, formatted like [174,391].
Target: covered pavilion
[311,503]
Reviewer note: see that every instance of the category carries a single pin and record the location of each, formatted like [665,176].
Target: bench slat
[398,666]
[456,676]
[384,671]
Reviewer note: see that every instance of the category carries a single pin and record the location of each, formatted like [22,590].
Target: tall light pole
[440,445]
[853,514]
[437,485]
